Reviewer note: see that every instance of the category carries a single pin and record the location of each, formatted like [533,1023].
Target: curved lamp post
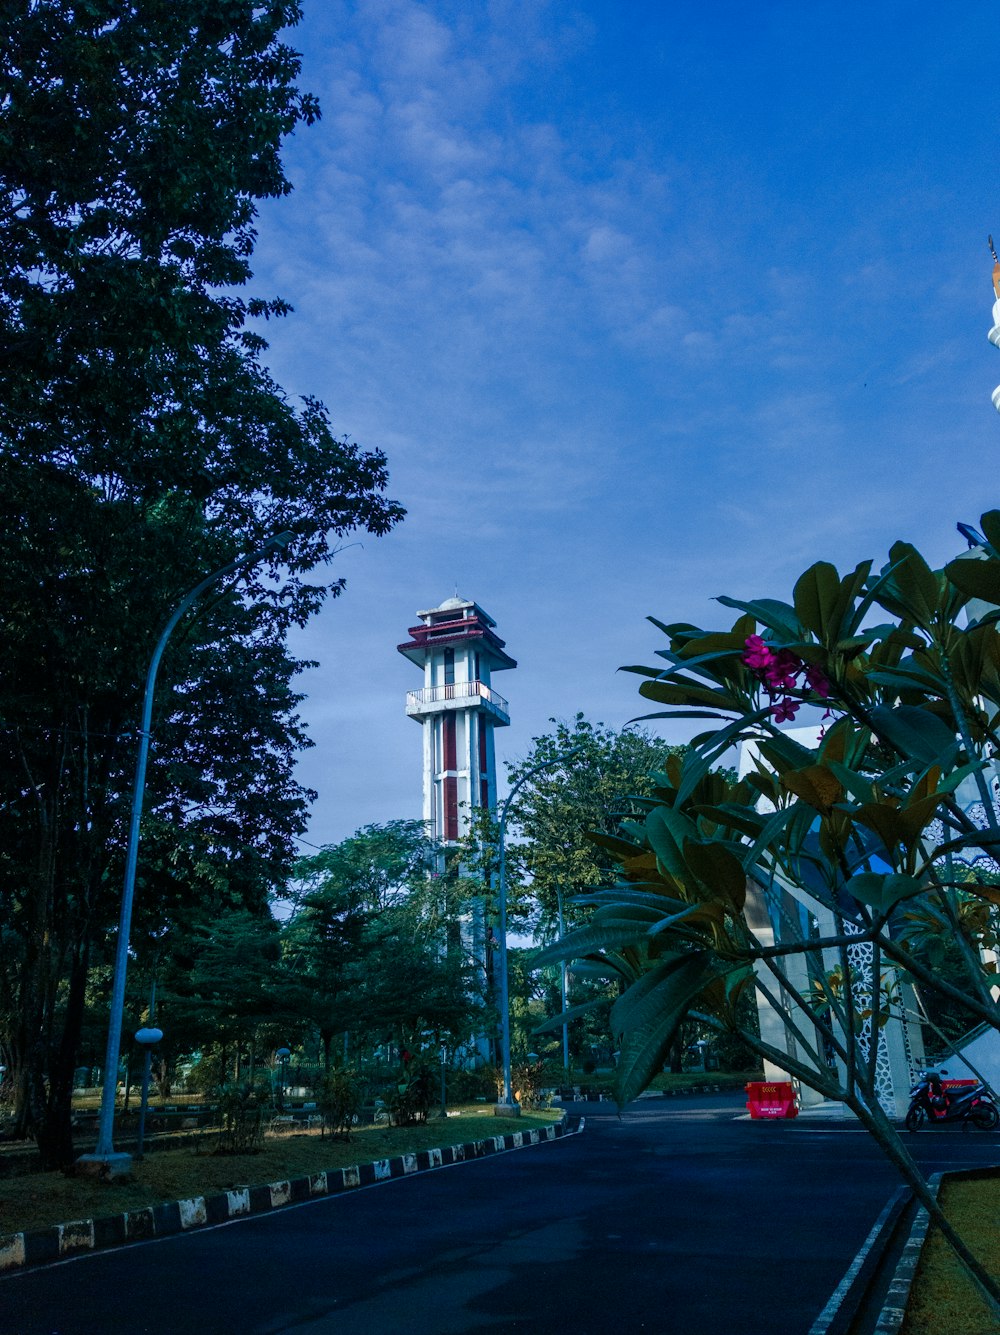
[507,1107]
[104,1162]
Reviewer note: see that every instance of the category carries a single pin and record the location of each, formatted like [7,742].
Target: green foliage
[368,945]
[552,854]
[340,1102]
[410,1101]
[242,1108]
[863,826]
[143,444]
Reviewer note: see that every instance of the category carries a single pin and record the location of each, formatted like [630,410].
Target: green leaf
[718,871]
[649,1015]
[568,1015]
[627,928]
[816,596]
[977,576]
[769,612]
[917,734]
[990,523]
[666,830]
[881,891]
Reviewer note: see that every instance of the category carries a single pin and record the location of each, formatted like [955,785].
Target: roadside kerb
[19,1251]
[894,1308]
[839,1315]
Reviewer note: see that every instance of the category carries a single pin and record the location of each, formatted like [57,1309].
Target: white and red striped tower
[457,648]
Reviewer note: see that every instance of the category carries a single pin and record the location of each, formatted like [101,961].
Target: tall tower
[457,648]
[994,334]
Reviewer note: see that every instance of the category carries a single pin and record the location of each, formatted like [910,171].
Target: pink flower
[785,710]
[757,655]
[817,679]
[782,675]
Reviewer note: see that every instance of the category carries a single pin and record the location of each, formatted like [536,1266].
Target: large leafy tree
[864,828]
[143,444]
[552,854]
[368,943]
[575,785]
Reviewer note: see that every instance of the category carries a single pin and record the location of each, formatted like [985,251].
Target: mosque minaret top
[994,334]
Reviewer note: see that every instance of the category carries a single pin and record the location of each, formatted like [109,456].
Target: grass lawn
[41,1199]
[943,1298]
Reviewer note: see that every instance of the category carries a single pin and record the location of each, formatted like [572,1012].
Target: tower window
[449,667]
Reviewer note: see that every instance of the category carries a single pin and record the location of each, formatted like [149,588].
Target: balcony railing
[460,690]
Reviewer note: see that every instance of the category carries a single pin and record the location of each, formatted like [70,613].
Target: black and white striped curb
[42,1246]
[840,1313]
[894,1308]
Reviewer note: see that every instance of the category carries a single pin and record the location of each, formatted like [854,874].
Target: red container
[771,1098]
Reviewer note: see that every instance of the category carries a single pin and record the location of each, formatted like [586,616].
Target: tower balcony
[460,695]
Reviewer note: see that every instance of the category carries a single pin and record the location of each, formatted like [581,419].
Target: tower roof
[455,621]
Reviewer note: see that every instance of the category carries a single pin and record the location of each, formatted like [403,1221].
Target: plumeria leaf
[816,595]
[769,612]
[977,576]
[917,733]
[649,1015]
[564,1017]
[882,892]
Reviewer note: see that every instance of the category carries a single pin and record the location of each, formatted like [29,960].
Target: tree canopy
[370,947]
[143,443]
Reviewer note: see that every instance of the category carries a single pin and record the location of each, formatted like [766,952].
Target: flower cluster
[780,671]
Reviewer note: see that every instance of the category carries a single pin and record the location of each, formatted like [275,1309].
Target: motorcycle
[931,1103]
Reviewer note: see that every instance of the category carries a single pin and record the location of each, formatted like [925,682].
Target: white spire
[994,334]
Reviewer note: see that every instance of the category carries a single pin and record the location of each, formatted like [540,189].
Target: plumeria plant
[849,841]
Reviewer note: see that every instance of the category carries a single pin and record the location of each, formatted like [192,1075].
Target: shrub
[340,1102]
[412,1099]
[241,1118]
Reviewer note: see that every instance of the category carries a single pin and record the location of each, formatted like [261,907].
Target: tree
[864,827]
[553,862]
[143,444]
[369,942]
[551,855]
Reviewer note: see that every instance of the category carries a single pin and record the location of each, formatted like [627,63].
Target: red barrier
[771,1099]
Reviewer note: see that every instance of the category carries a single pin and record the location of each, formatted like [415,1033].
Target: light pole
[282,1055]
[507,1107]
[104,1162]
[147,1038]
[565,1028]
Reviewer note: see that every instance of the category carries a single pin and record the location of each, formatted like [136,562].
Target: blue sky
[645,303]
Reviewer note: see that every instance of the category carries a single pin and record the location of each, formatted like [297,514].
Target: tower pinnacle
[994,334]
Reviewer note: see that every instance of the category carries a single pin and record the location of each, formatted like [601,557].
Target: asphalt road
[676,1218]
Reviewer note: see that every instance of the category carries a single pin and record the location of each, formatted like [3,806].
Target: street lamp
[565,1028]
[104,1162]
[282,1055]
[147,1038]
[507,1107]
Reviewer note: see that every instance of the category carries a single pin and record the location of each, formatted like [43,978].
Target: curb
[890,1319]
[21,1251]
[848,1298]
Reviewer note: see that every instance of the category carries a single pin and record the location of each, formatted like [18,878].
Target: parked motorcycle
[931,1103]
